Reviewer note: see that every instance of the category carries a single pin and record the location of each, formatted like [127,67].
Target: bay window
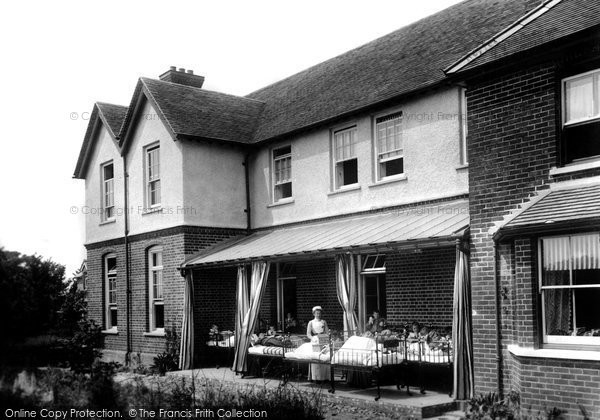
[570,289]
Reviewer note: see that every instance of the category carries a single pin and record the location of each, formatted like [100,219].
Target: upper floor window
[581,116]
[282,173]
[390,150]
[345,160]
[108,192]
[110,287]
[570,289]
[156,290]
[153,175]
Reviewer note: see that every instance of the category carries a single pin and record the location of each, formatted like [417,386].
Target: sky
[60,57]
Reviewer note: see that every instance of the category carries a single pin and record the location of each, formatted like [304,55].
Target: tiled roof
[113,115]
[407,227]
[200,113]
[563,19]
[559,208]
[406,60]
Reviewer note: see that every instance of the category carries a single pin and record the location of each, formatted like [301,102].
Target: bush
[83,347]
[490,407]
[168,360]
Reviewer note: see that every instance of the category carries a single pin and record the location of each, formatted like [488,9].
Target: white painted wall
[214,185]
[150,130]
[431,165]
[104,150]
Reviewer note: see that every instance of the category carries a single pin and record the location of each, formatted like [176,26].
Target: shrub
[168,360]
[490,407]
[83,347]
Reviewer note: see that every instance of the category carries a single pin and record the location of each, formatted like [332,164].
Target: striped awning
[560,208]
[423,226]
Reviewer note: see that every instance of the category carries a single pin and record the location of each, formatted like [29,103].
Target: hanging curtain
[346,290]
[242,308]
[258,282]
[186,349]
[462,340]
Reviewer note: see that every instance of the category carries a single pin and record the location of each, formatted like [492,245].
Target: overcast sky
[60,57]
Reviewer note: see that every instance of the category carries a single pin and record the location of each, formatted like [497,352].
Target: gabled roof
[110,116]
[191,112]
[552,20]
[409,59]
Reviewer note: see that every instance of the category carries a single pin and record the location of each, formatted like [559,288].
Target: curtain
[241,308]
[462,340]
[258,282]
[186,349]
[346,289]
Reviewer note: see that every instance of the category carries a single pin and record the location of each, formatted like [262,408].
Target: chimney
[182,77]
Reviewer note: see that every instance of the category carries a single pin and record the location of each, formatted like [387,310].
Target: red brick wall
[512,145]
[176,243]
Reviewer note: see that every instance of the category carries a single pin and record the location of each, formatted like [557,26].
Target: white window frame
[377,269]
[279,183]
[156,178]
[108,193]
[155,298]
[562,340]
[352,155]
[595,74]
[110,292]
[464,129]
[379,160]
[282,277]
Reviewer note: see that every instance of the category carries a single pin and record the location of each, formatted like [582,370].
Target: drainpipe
[247,176]
[127,263]
[498,326]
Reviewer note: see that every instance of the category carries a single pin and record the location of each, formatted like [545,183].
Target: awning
[561,208]
[429,225]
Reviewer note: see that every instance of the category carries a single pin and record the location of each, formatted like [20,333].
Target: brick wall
[512,145]
[420,286]
[176,243]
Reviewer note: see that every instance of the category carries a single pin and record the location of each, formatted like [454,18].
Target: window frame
[378,161]
[595,73]
[153,301]
[337,186]
[147,172]
[110,305]
[464,127]
[274,183]
[378,272]
[562,341]
[104,192]
[283,276]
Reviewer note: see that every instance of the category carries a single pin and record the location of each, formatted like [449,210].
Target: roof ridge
[111,104]
[203,90]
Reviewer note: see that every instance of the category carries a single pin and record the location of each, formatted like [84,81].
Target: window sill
[345,188]
[554,353]
[462,167]
[107,222]
[112,331]
[389,180]
[154,334]
[575,167]
[152,210]
[281,202]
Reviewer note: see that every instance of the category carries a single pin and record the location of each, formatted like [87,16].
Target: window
[108,192]
[153,176]
[110,287]
[570,288]
[463,127]
[282,173]
[156,293]
[581,116]
[286,294]
[372,288]
[390,152]
[345,162]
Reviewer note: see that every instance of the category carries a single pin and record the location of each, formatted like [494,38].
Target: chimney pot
[173,68]
[182,77]
[181,69]
[190,71]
